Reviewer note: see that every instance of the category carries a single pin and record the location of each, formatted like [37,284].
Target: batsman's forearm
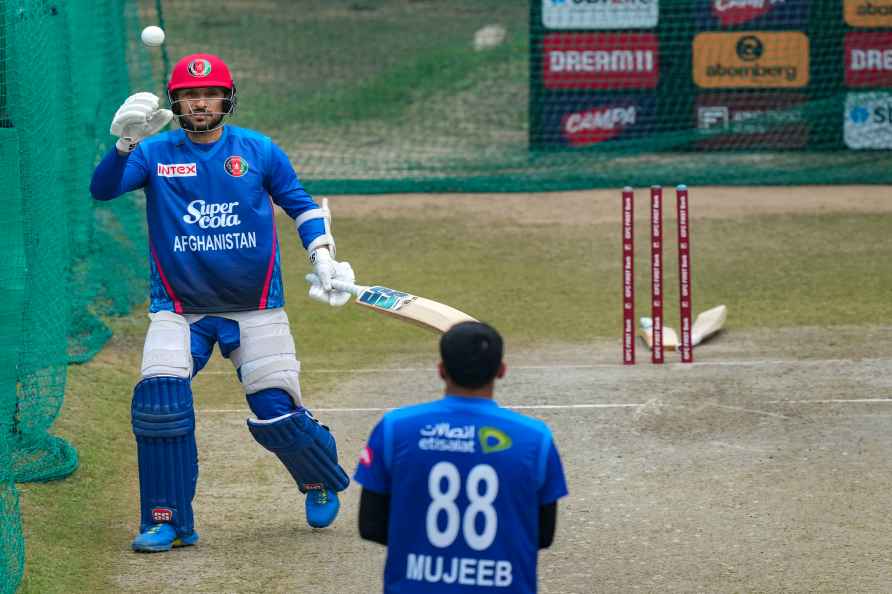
[108,177]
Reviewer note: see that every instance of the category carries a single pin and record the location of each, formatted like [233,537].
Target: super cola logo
[212,215]
[735,12]
[597,124]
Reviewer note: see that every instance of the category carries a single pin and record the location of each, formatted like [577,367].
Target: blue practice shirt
[209,207]
[466,479]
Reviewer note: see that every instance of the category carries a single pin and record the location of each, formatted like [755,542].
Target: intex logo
[213,215]
[177,170]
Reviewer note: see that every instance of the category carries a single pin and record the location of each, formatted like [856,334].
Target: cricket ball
[152,36]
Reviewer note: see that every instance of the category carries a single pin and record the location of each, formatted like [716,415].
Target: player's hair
[471,354]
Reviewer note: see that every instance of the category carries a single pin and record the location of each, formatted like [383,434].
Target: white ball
[152,36]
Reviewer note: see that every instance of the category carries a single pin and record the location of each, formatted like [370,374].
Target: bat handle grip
[345,286]
[339,285]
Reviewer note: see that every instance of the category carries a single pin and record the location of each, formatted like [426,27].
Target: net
[66,262]
[488,95]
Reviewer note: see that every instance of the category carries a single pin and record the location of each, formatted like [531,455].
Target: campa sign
[597,120]
[868,13]
[751,59]
[600,14]
[758,13]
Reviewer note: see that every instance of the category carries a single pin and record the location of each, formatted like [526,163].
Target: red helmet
[199,70]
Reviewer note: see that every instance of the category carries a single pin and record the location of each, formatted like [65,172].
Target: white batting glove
[323,266]
[138,118]
[343,272]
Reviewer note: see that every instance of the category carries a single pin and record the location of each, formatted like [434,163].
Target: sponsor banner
[751,59]
[600,61]
[868,121]
[869,59]
[751,121]
[868,13]
[600,14]
[789,14]
[588,121]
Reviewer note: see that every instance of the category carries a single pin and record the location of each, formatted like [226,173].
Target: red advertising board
[600,61]
[869,59]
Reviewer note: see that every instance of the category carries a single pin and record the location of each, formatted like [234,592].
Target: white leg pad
[167,350]
[266,354]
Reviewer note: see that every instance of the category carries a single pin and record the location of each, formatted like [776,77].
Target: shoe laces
[322,496]
[155,529]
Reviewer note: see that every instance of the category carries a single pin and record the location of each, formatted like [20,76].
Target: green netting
[67,262]
[12,285]
[393,95]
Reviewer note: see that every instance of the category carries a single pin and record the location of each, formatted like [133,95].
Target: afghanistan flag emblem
[236,166]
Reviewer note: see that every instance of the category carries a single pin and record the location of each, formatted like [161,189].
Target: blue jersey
[212,234]
[466,479]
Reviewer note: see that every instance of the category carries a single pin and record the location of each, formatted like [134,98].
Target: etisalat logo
[443,437]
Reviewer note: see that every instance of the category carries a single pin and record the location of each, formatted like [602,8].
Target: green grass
[536,283]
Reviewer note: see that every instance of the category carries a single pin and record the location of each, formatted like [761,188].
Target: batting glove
[138,118]
[343,272]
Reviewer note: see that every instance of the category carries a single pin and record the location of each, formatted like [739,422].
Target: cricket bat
[708,323]
[422,312]
[645,331]
[705,326]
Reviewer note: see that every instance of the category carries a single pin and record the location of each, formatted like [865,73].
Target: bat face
[411,308]
[708,323]
[384,299]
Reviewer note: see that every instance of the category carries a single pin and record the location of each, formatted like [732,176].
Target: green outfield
[542,268]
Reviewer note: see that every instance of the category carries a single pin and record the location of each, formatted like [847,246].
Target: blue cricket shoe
[162,537]
[322,507]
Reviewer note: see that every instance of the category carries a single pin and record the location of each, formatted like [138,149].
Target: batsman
[215,278]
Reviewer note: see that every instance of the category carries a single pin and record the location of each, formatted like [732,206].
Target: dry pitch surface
[764,467]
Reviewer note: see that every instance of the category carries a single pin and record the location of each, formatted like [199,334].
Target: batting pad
[164,425]
[306,448]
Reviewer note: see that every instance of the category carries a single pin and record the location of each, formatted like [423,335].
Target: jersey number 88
[480,504]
